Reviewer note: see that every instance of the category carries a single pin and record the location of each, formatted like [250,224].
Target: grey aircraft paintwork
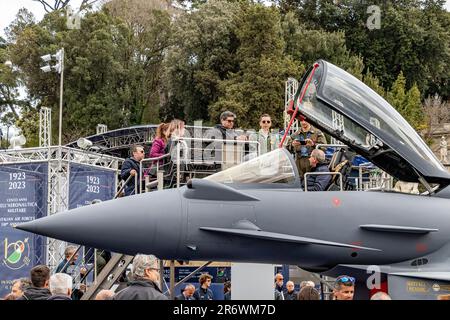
[256,212]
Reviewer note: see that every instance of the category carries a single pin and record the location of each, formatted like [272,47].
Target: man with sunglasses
[144,285]
[267,140]
[226,127]
[130,167]
[344,288]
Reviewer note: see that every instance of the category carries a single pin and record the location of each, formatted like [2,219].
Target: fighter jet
[258,212]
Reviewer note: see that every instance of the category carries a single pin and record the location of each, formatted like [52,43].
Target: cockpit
[275,167]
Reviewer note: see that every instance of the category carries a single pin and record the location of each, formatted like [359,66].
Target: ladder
[109,275]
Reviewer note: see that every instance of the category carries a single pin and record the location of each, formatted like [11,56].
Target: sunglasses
[268,121]
[228,120]
[346,279]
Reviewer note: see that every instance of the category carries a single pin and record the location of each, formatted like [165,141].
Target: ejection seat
[341,162]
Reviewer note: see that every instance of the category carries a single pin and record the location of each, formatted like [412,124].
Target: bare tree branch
[87,3]
[58,4]
[48,8]
[437,112]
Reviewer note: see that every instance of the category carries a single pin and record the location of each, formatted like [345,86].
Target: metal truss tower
[338,124]
[45,127]
[291,89]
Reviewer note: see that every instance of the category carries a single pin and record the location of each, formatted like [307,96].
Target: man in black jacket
[223,131]
[145,278]
[40,276]
[226,127]
[204,293]
[318,164]
[290,293]
[130,167]
[187,293]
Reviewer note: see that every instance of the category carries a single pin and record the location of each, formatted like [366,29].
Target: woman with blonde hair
[176,128]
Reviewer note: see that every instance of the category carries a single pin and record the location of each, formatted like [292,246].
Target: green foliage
[202,54]
[407,103]
[413,108]
[112,68]
[374,83]
[259,84]
[29,126]
[397,94]
[414,37]
[138,61]
[306,46]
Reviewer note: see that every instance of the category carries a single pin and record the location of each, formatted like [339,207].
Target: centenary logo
[17,254]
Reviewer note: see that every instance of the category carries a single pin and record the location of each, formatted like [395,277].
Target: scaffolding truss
[291,89]
[45,127]
[59,160]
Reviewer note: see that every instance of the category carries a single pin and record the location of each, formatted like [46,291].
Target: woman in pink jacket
[159,145]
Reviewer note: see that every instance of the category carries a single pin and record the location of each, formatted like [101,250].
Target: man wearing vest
[302,143]
[268,141]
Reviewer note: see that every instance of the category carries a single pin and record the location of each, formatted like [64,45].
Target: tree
[413,108]
[407,103]
[202,54]
[150,22]
[306,46]
[374,83]
[258,86]
[112,71]
[414,37]
[437,112]
[396,96]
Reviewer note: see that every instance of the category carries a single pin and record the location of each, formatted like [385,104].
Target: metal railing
[323,174]
[190,156]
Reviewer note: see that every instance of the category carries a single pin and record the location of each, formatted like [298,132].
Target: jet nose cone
[126,225]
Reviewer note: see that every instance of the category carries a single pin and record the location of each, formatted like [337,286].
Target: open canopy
[275,167]
[350,111]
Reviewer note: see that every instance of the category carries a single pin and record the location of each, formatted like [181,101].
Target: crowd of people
[302,144]
[143,284]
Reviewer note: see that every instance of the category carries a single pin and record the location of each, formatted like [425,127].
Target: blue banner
[23,198]
[88,183]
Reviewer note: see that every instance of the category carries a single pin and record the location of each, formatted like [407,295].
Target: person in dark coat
[204,293]
[318,164]
[60,286]
[290,293]
[225,130]
[145,278]
[187,293]
[69,266]
[308,293]
[279,288]
[19,286]
[39,276]
[131,167]
[227,290]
